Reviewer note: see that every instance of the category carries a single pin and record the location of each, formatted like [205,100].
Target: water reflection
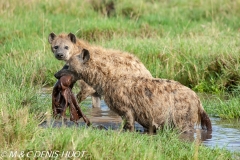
[225,134]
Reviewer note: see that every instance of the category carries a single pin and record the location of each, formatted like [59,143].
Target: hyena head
[77,64]
[80,61]
[63,45]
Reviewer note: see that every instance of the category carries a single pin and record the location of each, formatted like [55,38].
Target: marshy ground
[193,42]
[225,133]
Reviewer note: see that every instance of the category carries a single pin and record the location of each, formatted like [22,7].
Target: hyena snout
[59,55]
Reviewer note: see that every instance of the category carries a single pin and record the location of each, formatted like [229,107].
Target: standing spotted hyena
[64,45]
[152,102]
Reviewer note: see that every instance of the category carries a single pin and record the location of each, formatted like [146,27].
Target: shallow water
[225,133]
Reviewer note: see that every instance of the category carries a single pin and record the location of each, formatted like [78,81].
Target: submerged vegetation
[193,42]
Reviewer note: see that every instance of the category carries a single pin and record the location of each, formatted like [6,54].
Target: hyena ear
[51,37]
[72,37]
[84,56]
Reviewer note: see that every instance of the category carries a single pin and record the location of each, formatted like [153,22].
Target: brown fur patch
[148,92]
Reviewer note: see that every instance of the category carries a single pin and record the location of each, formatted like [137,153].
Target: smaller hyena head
[62,46]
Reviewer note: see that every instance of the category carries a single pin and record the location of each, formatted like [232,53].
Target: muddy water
[225,134]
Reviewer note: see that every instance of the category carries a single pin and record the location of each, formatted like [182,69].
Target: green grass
[116,145]
[24,135]
[193,42]
[226,109]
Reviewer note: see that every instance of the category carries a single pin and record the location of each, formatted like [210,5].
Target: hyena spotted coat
[152,102]
[65,45]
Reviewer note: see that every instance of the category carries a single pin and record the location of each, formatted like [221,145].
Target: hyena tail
[204,118]
[205,121]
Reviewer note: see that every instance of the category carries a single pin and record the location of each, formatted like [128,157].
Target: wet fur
[152,102]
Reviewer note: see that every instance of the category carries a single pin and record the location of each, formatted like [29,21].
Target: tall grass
[194,42]
[226,109]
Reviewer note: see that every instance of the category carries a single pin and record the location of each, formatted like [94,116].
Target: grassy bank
[196,43]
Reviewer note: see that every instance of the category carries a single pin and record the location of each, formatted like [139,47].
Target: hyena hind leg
[129,120]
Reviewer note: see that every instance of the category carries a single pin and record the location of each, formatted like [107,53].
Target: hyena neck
[97,79]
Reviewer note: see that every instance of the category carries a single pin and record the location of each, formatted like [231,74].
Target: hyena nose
[59,55]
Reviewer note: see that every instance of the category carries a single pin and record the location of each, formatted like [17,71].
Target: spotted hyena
[64,45]
[152,102]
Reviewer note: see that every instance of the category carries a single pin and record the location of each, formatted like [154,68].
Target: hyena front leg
[96,100]
[86,91]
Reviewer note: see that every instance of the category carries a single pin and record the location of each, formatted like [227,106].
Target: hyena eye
[66,47]
[55,47]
